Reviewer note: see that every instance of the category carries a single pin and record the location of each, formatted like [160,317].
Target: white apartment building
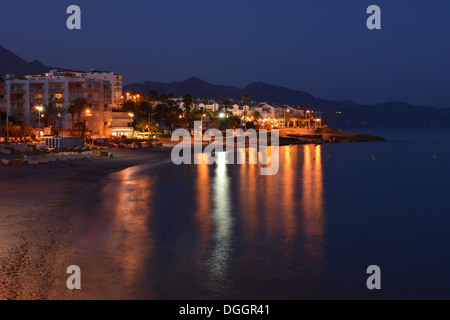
[116,81]
[20,97]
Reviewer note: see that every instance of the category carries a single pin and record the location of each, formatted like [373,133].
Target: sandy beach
[44,211]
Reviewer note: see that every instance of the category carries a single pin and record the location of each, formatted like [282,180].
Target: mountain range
[10,63]
[337,114]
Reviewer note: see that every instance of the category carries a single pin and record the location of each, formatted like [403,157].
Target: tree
[129,106]
[144,125]
[187,101]
[226,104]
[256,115]
[50,114]
[245,97]
[2,80]
[77,106]
[81,127]
[196,101]
[144,110]
[152,95]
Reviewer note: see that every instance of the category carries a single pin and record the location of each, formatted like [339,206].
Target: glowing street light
[131,115]
[40,109]
[222,115]
[203,116]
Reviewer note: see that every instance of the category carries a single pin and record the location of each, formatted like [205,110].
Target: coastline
[44,211]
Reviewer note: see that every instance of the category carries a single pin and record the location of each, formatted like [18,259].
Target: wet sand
[44,210]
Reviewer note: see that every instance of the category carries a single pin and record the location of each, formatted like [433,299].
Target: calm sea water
[226,232]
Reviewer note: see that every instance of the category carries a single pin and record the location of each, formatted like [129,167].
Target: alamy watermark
[74,281]
[237,143]
[74,20]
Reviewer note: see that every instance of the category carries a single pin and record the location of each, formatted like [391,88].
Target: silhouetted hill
[334,113]
[190,86]
[13,64]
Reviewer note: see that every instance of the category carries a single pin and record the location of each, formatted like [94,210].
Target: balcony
[92,100]
[18,90]
[37,90]
[37,101]
[56,90]
[17,100]
[81,90]
[56,100]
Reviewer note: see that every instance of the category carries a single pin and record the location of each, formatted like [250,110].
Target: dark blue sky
[322,46]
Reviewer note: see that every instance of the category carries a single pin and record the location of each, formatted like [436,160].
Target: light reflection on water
[220,258]
[224,231]
[313,210]
[242,235]
[118,241]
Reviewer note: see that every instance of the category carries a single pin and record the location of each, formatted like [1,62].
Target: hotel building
[20,97]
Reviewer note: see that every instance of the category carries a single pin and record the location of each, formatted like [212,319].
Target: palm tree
[226,103]
[256,115]
[152,95]
[77,106]
[50,113]
[187,101]
[245,97]
[81,126]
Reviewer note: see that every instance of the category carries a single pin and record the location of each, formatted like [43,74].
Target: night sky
[322,47]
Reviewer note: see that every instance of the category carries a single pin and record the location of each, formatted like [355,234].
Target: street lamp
[203,116]
[131,115]
[39,109]
[307,116]
[88,114]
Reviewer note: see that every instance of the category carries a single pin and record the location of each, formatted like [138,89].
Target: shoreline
[46,210]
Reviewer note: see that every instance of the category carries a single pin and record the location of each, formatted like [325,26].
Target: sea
[311,231]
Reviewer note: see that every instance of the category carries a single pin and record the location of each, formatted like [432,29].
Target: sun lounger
[17,162]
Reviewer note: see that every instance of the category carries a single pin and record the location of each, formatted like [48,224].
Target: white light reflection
[223,224]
